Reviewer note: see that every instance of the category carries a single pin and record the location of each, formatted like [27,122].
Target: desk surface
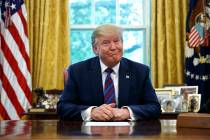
[54,129]
[54,115]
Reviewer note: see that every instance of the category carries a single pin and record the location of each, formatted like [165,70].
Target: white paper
[107,124]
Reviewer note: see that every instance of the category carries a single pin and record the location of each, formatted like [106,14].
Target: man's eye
[105,42]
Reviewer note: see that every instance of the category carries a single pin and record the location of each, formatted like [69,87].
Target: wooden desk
[42,115]
[54,129]
[169,115]
[54,115]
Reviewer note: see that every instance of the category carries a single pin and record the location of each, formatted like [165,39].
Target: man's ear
[95,50]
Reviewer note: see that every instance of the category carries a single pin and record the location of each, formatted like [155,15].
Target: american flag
[15,77]
[196,36]
[197,64]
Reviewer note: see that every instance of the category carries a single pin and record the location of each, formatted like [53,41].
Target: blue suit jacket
[84,89]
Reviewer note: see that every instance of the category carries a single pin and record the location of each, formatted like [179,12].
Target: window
[132,15]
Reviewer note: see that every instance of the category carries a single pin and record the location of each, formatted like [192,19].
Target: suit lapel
[96,81]
[124,83]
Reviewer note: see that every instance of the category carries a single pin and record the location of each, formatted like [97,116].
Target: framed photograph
[186,90]
[175,90]
[194,102]
[163,94]
[164,98]
[168,105]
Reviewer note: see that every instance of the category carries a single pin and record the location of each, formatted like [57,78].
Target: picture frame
[194,102]
[164,97]
[186,90]
[163,94]
[168,105]
[175,90]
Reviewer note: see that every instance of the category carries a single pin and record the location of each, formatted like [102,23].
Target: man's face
[109,49]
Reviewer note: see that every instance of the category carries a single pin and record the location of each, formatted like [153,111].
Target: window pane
[80,11]
[134,45]
[105,11]
[81,45]
[131,12]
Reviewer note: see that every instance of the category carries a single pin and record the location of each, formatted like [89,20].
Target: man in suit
[108,87]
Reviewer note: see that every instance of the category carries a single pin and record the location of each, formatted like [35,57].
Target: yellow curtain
[168,41]
[48,27]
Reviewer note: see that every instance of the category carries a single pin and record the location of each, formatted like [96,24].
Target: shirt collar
[104,67]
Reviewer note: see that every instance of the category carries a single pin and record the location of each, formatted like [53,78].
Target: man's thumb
[112,104]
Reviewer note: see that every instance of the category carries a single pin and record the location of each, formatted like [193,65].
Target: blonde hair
[105,30]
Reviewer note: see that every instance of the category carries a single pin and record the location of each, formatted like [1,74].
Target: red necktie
[109,91]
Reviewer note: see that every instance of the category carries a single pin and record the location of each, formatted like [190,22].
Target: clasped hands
[108,112]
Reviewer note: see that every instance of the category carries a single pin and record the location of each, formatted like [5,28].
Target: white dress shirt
[86,114]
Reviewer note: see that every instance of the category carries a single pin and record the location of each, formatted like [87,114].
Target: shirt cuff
[86,114]
[131,113]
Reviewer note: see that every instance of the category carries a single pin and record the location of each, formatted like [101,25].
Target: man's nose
[112,45]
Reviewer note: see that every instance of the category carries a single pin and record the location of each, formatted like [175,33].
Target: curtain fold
[168,41]
[48,26]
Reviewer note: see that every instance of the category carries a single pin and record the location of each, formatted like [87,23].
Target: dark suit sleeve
[150,109]
[68,106]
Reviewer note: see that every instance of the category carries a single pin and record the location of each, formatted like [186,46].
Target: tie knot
[109,70]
